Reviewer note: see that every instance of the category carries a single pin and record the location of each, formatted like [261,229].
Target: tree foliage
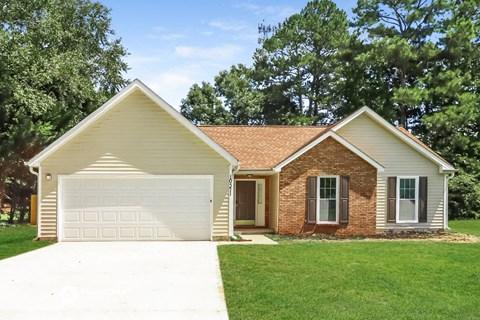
[202,106]
[59,61]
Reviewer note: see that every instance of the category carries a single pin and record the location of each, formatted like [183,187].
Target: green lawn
[352,280]
[465,226]
[18,239]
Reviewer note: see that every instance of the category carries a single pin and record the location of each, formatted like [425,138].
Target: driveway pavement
[114,280]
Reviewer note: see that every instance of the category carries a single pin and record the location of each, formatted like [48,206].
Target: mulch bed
[443,236]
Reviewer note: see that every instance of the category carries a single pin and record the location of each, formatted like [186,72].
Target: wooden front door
[245,202]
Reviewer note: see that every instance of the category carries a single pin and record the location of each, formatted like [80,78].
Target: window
[327,199]
[407,199]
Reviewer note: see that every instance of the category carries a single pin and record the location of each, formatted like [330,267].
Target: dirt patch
[441,236]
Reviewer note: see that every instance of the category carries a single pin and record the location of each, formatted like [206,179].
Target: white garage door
[135,208]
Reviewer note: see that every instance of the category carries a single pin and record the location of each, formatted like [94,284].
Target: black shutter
[344,196]
[311,216]
[422,199]
[391,199]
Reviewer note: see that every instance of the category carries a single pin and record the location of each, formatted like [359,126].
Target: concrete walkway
[114,280]
[251,239]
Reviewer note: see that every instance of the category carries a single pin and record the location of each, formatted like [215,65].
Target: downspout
[448,176]
[39,190]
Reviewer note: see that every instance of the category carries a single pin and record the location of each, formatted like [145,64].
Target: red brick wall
[328,158]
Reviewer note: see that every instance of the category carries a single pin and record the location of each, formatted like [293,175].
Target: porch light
[249,176]
[48,176]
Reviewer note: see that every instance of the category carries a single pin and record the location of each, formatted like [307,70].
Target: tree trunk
[403,108]
[11,214]
[403,117]
[21,218]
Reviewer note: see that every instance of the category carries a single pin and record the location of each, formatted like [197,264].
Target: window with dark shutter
[422,197]
[311,216]
[344,196]
[391,199]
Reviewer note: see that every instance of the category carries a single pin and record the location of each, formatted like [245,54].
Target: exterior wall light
[48,176]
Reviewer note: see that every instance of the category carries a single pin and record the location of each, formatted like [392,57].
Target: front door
[245,202]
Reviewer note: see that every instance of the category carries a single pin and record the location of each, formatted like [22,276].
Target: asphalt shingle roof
[262,147]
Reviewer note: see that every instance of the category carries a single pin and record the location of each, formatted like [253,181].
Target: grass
[352,280]
[465,226]
[18,239]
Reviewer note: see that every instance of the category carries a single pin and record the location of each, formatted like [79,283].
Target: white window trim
[337,195]
[397,213]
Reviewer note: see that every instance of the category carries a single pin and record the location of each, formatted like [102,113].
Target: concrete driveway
[114,280]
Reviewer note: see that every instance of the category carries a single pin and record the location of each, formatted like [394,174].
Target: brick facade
[328,158]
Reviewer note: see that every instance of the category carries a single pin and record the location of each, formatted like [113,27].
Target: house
[135,169]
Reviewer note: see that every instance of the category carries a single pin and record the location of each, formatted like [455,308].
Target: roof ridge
[262,126]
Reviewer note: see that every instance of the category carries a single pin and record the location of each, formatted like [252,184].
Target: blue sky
[174,44]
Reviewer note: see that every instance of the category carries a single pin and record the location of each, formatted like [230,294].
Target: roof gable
[339,139]
[132,87]
[402,134]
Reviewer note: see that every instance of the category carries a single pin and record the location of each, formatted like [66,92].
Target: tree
[399,49]
[201,106]
[299,59]
[59,61]
[237,89]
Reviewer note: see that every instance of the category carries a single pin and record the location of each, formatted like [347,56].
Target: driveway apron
[114,280]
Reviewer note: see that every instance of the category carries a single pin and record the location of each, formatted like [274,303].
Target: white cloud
[207,33]
[136,60]
[276,11]
[172,84]
[228,25]
[167,37]
[223,52]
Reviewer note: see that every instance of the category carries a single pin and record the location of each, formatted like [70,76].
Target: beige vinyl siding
[399,159]
[135,137]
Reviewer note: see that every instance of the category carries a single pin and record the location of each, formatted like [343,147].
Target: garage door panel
[90,233]
[127,216]
[109,216]
[146,232]
[127,233]
[90,216]
[145,216]
[72,216]
[72,233]
[109,233]
[136,208]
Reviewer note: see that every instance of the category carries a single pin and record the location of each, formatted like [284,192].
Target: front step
[253,230]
